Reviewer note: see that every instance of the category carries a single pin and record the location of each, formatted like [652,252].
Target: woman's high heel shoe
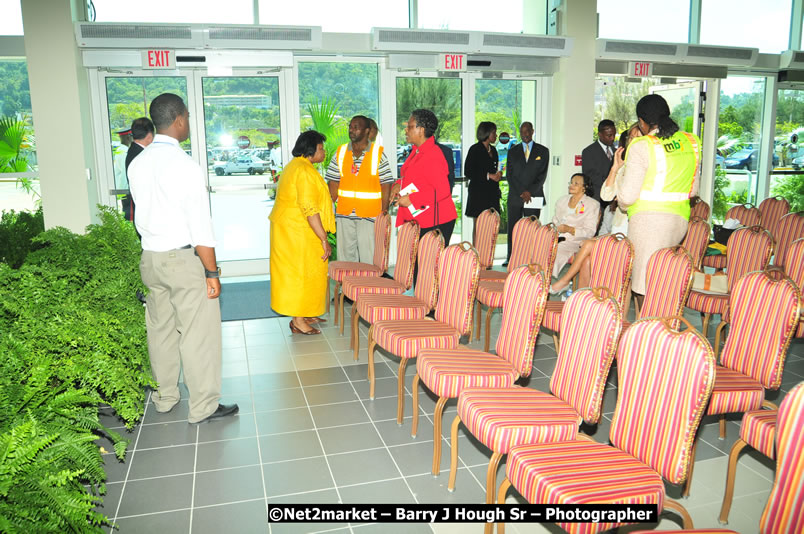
[314,320]
[296,330]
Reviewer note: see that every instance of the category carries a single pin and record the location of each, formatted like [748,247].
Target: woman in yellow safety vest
[661,176]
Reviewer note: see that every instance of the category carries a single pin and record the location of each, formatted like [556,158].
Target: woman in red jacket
[423,184]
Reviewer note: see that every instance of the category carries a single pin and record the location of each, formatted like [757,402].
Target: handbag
[722,234]
[713,283]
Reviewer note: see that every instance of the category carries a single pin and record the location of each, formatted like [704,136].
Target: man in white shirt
[178,266]
[596,159]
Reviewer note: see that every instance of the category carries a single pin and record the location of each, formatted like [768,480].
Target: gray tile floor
[307,433]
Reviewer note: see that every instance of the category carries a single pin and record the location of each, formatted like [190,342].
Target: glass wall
[471,15]
[17,140]
[789,148]
[175,11]
[10,17]
[626,20]
[349,16]
[746,23]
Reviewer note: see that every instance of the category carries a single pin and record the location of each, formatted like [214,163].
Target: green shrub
[792,188]
[16,233]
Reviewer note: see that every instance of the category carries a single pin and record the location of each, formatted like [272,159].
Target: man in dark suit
[526,171]
[142,130]
[597,158]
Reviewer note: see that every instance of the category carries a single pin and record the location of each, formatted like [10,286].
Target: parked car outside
[247,164]
[747,159]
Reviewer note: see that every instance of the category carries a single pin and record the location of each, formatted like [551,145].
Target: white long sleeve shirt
[170,192]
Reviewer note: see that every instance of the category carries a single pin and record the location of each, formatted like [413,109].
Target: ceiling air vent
[635,50]
[720,55]
[118,35]
[394,39]
[264,37]
[677,53]
[535,45]
[792,59]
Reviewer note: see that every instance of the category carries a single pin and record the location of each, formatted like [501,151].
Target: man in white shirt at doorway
[178,266]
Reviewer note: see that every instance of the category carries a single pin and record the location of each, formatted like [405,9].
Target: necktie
[527,152]
[609,152]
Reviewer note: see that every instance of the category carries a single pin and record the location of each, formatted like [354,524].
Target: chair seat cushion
[448,372]
[696,531]
[758,429]
[504,418]
[717,261]
[375,308]
[355,286]
[734,392]
[407,338]
[490,293]
[552,315]
[707,302]
[488,274]
[338,270]
[582,472]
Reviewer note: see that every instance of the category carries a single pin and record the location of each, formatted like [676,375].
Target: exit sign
[452,62]
[640,69]
[158,59]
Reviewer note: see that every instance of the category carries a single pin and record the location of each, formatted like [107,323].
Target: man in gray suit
[598,157]
[526,171]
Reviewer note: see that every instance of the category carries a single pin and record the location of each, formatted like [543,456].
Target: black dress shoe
[505,263]
[223,410]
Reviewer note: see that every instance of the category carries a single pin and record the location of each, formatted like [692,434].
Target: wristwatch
[213,274]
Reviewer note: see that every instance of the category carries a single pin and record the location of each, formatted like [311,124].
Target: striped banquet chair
[696,240]
[686,531]
[338,270]
[490,292]
[795,270]
[748,215]
[752,248]
[665,379]
[502,418]
[785,510]
[764,313]
[612,260]
[773,209]
[458,269]
[407,246]
[789,229]
[373,308]
[523,247]
[701,209]
[447,372]
[488,226]
[668,284]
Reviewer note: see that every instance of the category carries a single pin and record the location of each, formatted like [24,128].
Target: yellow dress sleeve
[313,198]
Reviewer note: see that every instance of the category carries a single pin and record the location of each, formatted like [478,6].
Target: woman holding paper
[423,191]
[482,169]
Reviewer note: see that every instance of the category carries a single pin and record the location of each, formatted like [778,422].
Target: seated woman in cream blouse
[576,218]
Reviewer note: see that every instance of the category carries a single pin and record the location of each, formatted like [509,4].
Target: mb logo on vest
[673,146]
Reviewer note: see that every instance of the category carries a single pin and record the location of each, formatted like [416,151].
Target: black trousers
[515,212]
[446,231]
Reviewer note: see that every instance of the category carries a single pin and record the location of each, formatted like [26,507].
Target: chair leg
[491,476]
[676,506]
[453,442]
[437,423]
[371,346]
[501,500]
[328,293]
[335,299]
[400,400]
[725,508]
[718,333]
[415,386]
[688,483]
[343,316]
[355,331]
[722,426]
[705,324]
[488,328]
[555,341]
[477,320]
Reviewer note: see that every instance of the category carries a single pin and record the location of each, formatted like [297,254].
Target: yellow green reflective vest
[668,181]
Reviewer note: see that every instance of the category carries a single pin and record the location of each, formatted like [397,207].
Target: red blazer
[427,169]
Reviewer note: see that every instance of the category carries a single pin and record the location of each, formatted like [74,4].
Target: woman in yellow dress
[300,220]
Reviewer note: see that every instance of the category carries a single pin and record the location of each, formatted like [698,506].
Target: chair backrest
[545,246]
[701,209]
[488,226]
[458,273]
[668,283]
[764,312]
[430,248]
[784,512]
[789,228]
[773,209]
[612,261]
[665,379]
[407,246]
[591,323]
[522,249]
[524,299]
[795,263]
[747,214]
[696,240]
[382,240]
[748,250]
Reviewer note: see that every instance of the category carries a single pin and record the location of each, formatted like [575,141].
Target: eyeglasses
[575,183]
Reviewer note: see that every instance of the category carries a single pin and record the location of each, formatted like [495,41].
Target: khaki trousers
[355,239]
[184,331]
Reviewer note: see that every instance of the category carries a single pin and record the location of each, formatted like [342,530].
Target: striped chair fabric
[665,379]
[407,247]
[448,372]
[789,229]
[504,418]
[687,531]
[488,226]
[523,248]
[752,249]
[772,210]
[489,292]
[612,260]
[785,510]
[696,240]
[748,216]
[338,270]
[701,209]
[795,270]
[459,269]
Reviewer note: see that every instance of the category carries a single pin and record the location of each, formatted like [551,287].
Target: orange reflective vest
[359,192]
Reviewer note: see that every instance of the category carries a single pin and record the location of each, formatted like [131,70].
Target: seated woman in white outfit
[576,219]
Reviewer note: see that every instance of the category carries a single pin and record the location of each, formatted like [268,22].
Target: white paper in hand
[535,203]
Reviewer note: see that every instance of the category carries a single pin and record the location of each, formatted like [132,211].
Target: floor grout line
[195,470]
[131,462]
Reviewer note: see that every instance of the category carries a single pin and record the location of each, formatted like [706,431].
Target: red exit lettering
[453,61]
[641,69]
[158,58]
